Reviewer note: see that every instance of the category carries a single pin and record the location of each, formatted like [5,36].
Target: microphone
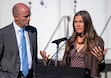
[60,40]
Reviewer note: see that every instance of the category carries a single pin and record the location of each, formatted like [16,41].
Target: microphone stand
[56,57]
[56,53]
[62,39]
[58,42]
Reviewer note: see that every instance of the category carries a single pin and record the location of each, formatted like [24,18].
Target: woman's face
[79,24]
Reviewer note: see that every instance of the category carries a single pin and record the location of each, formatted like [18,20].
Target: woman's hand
[97,51]
[44,56]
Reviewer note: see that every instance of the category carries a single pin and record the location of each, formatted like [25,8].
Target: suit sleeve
[1,48]
[100,42]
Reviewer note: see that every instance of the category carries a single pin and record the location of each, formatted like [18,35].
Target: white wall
[6,11]
[106,34]
[46,18]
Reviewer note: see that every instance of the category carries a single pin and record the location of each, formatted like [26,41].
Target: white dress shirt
[18,36]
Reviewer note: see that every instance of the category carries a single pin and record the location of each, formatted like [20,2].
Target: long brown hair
[89,33]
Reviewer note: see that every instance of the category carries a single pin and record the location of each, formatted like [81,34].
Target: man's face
[22,18]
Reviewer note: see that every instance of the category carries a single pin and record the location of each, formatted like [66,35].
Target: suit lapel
[13,36]
[12,39]
[30,38]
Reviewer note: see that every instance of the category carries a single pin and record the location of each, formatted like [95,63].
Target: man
[11,49]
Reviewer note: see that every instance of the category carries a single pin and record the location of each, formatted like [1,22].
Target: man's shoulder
[98,38]
[5,28]
[31,28]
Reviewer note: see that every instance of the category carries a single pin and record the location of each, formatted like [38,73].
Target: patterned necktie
[24,54]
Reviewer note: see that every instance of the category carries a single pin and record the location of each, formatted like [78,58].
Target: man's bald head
[21,13]
[17,7]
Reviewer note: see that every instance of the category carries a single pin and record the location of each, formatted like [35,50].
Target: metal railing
[107,59]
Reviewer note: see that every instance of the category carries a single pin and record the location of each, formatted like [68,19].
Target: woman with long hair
[85,49]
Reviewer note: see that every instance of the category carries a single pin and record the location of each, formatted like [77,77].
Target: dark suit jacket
[9,52]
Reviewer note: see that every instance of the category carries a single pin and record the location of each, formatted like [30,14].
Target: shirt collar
[16,27]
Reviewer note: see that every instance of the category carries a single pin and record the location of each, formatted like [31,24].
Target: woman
[85,49]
